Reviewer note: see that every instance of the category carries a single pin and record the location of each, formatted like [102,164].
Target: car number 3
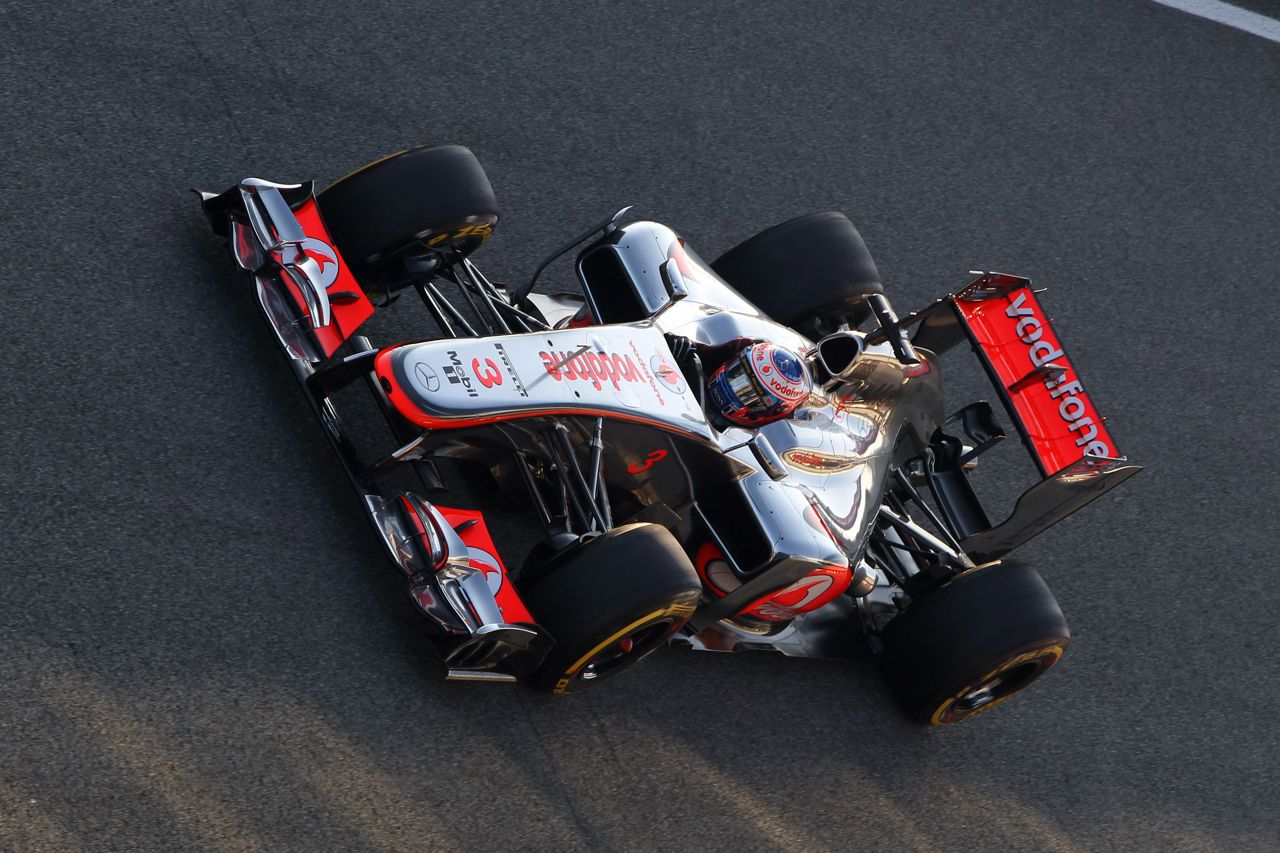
[491,375]
[648,462]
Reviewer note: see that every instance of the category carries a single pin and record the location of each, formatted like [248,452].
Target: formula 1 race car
[746,454]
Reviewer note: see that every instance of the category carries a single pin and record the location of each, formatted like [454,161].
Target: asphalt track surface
[200,644]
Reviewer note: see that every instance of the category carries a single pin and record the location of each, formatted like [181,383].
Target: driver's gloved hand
[681,347]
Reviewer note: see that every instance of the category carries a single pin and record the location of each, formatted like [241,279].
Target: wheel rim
[994,689]
[998,685]
[625,650]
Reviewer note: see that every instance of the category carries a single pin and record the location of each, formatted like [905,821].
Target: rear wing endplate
[1001,318]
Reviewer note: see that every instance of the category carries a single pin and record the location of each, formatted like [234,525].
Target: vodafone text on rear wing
[1067,438]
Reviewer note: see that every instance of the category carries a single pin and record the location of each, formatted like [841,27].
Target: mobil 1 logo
[456,375]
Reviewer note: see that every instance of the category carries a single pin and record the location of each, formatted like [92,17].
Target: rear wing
[1078,460]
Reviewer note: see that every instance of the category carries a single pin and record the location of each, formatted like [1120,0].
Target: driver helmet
[760,384]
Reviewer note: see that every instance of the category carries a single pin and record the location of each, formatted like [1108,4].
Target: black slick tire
[972,643]
[609,602]
[435,196]
[804,270]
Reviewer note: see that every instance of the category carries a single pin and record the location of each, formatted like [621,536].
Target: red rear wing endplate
[1078,460]
[1032,372]
[1002,319]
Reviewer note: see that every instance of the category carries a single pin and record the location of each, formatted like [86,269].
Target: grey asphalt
[201,646]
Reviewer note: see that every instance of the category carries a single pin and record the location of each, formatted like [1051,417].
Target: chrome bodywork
[807,492]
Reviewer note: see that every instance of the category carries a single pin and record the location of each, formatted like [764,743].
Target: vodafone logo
[1072,409]
[325,257]
[817,461]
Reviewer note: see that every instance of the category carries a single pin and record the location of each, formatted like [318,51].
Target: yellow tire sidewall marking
[677,609]
[367,166]
[1035,654]
[483,230]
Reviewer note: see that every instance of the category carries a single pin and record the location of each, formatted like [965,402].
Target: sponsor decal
[779,371]
[647,375]
[511,369]
[489,376]
[817,461]
[1070,397]
[788,366]
[483,230]
[457,375]
[428,377]
[668,374]
[325,257]
[597,368]
[648,462]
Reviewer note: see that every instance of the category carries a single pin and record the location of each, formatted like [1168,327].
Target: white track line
[1232,16]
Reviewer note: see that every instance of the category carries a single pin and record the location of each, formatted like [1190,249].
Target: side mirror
[673,280]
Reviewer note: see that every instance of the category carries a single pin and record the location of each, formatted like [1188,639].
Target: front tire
[423,198]
[609,602]
[804,272]
[972,643]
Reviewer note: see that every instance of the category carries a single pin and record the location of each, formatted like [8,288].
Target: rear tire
[804,272]
[609,602]
[437,196]
[973,642]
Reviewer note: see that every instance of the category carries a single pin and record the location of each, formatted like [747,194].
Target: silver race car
[752,453]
